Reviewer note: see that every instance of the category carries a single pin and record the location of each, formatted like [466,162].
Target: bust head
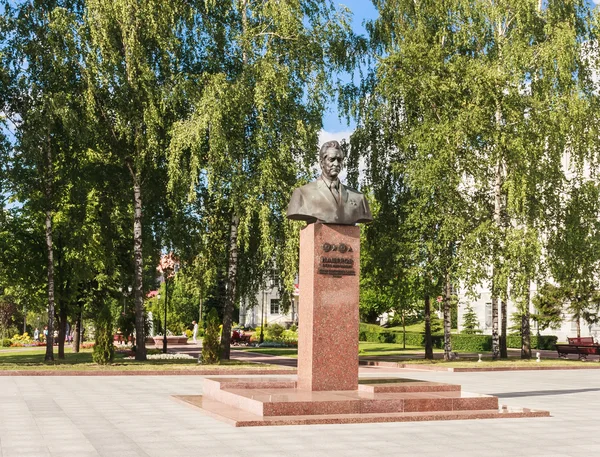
[331,159]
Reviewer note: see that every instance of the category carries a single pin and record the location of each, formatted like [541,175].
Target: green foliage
[278,334]
[574,248]
[437,325]
[5,342]
[549,304]
[211,344]
[465,167]
[515,324]
[470,321]
[460,342]
[104,350]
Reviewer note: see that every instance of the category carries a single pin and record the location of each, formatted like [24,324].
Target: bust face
[331,163]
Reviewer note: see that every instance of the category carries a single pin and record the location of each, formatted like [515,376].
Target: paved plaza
[136,416]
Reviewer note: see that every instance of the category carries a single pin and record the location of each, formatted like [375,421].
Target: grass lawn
[379,349]
[34,360]
[487,362]
[283,352]
[364,348]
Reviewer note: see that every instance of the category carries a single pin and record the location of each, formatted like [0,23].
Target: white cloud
[325,136]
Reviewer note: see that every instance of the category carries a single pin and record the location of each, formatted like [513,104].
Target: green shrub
[460,342]
[104,349]
[273,332]
[545,341]
[5,342]
[369,327]
[210,344]
[290,336]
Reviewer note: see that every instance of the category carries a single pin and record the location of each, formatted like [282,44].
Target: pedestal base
[245,402]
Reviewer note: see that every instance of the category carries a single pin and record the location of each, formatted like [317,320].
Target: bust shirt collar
[331,184]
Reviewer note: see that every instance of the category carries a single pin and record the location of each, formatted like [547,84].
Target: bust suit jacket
[314,202]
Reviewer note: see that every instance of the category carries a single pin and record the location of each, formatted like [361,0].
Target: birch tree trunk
[525,325]
[496,255]
[138,290]
[77,332]
[62,330]
[503,328]
[231,287]
[50,257]
[447,319]
[428,342]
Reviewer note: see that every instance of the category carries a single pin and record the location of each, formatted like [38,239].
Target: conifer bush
[211,345]
[104,349]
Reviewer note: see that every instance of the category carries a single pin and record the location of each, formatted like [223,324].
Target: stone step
[272,397]
[240,418]
[404,385]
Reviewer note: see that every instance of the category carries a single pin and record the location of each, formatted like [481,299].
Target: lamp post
[269,285]
[166,302]
[168,266]
[262,319]
[126,292]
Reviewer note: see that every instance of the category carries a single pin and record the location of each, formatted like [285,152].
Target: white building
[269,306]
[482,306]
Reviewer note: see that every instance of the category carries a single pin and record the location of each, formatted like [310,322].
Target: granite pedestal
[328,308]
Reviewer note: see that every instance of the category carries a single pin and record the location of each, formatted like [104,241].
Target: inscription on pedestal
[334,265]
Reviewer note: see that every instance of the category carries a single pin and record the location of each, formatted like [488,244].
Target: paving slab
[129,415]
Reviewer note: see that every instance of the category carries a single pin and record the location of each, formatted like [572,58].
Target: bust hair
[329,145]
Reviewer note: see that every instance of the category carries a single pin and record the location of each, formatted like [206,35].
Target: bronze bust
[327,200]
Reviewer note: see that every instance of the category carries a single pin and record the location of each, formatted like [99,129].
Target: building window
[274,306]
[488,315]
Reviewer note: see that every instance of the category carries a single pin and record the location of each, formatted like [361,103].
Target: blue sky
[362,10]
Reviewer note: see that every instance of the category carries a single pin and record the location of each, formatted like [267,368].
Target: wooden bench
[582,347]
[582,341]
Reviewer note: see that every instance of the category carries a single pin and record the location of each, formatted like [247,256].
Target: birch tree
[251,132]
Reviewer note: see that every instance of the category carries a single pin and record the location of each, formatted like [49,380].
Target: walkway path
[136,416]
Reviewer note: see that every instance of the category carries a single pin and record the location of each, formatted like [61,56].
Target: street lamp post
[166,302]
[269,285]
[168,266]
[262,319]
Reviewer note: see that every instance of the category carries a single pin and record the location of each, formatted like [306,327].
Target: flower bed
[165,357]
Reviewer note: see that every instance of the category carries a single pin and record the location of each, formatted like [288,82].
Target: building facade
[269,309]
[482,306]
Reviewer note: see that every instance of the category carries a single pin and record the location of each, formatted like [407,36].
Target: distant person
[45,333]
[36,334]
[195,332]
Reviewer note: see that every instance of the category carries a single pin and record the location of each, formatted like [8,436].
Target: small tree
[211,343]
[104,350]
[470,321]
[549,304]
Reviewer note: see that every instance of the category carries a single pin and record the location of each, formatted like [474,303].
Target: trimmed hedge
[460,342]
